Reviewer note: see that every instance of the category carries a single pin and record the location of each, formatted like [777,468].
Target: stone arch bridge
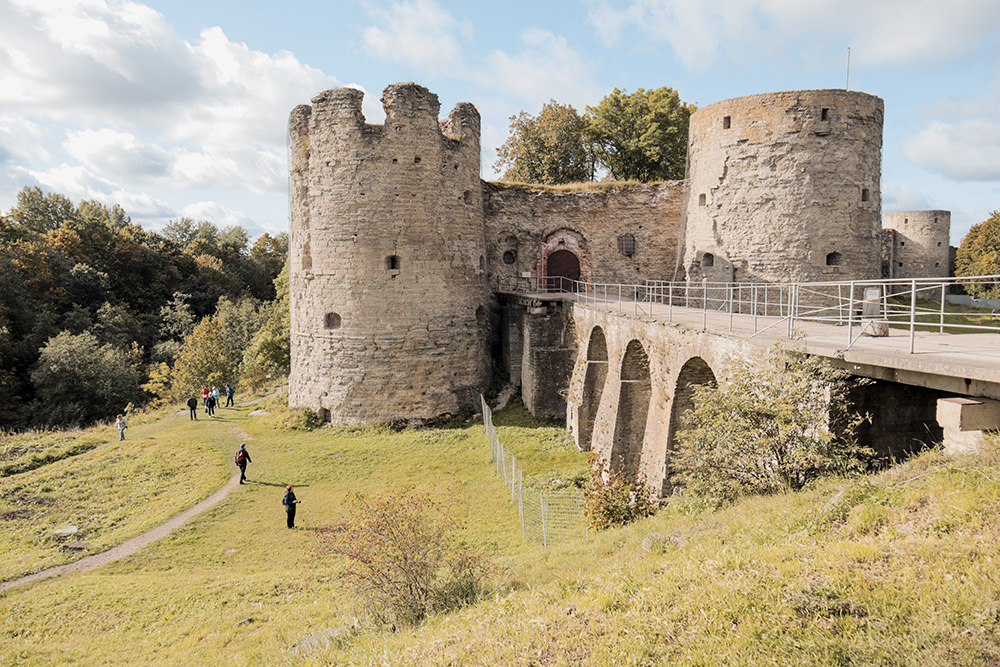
[623,371]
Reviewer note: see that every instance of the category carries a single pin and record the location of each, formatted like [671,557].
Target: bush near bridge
[769,427]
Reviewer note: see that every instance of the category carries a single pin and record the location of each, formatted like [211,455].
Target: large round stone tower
[917,244]
[785,187]
[387,248]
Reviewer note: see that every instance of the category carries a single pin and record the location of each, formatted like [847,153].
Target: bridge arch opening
[593,386]
[694,373]
[633,409]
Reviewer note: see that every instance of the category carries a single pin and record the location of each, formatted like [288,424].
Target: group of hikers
[211,399]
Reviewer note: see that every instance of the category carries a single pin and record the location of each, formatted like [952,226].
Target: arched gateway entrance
[560,265]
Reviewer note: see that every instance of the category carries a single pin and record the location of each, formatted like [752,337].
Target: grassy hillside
[896,569]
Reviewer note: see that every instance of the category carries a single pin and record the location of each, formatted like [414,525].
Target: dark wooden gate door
[562,264]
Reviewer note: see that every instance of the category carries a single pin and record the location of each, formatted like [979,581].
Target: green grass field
[900,568]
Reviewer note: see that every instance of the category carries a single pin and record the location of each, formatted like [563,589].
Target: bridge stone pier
[624,380]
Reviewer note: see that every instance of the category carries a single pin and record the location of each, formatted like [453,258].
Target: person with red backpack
[242,459]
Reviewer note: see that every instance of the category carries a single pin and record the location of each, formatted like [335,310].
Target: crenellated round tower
[785,187]
[917,244]
[387,258]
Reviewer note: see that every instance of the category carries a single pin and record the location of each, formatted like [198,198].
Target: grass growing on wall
[898,568]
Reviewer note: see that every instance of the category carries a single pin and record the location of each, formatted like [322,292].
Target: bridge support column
[965,420]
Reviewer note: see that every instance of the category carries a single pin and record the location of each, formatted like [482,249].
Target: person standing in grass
[242,459]
[230,392]
[289,501]
[121,425]
[192,404]
[215,395]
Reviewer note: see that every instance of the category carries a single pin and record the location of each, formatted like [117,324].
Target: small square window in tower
[824,114]
[864,194]
[626,244]
[702,199]
[332,321]
[392,263]
[727,122]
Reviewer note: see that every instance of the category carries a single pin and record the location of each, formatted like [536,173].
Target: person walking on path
[192,404]
[229,395]
[210,405]
[242,459]
[289,501]
[121,425]
[204,397]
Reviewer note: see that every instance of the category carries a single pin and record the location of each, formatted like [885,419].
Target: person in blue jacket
[289,501]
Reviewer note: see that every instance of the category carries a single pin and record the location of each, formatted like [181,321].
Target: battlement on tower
[410,110]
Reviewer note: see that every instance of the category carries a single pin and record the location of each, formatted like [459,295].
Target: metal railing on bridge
[861,306]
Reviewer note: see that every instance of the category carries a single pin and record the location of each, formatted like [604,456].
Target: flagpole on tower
[847,86]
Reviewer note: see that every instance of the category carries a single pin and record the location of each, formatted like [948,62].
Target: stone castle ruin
[399,251]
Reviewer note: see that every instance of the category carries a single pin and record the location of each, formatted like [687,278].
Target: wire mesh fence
[546,518]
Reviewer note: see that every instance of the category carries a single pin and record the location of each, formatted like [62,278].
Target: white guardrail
[911,305]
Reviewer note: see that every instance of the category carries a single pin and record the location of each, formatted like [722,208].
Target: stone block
[968,414]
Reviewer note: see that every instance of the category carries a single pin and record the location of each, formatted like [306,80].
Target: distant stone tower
[387,256]
[917,244]
[785,187]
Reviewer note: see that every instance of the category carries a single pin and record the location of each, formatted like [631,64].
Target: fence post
[913,312]
[545,534]
[944,290]
[520,503]
[513,475]
[730,306]
[704,303]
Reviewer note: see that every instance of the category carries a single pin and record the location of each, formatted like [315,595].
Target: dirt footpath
[131,546]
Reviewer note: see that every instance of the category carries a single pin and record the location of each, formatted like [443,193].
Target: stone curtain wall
[779,182]
[388,279]
[919,248]
[523,225]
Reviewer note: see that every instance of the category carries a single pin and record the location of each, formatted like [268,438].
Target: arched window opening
[833,259]
[708,260]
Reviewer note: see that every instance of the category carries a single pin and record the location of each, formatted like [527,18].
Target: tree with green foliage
[78,380]
[550,148]
[642,135]
[768,428]
[979,255]
[269,353]
[40,212]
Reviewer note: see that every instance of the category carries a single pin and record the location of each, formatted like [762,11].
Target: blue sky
[178,108]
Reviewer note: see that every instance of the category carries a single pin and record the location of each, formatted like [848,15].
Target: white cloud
[79,183]
[418,33]
[888,32]
[216,213]
[896,197]
[545,68]
[968,150]
[103,100]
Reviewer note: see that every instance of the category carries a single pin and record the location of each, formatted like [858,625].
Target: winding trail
[131,546]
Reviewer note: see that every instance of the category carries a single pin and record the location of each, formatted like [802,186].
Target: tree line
[638,136]
[97,313]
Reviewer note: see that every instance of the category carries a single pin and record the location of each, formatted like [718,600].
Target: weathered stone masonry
[400,253]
